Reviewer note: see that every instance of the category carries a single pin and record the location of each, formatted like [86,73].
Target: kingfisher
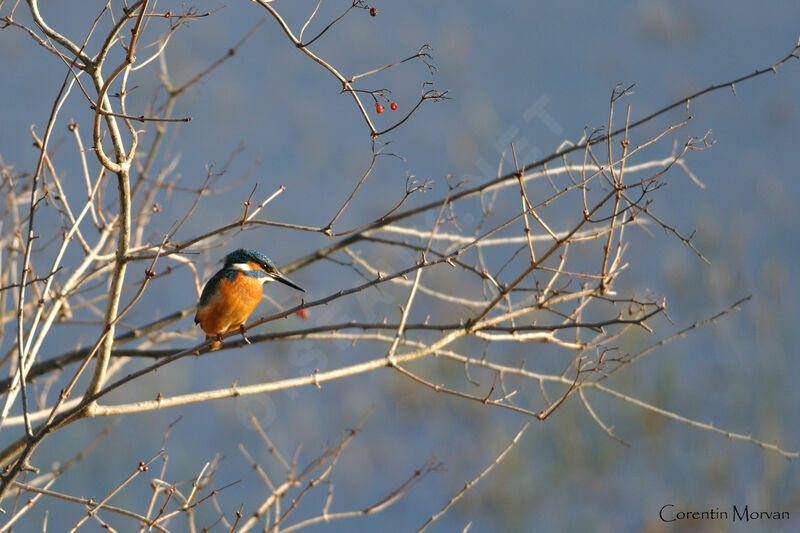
[234,292]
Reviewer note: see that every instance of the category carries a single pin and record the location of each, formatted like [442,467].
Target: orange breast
[231,304]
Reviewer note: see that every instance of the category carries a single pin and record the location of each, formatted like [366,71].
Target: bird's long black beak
[277,276]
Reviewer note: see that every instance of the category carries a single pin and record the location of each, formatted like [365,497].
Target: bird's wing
[211,288]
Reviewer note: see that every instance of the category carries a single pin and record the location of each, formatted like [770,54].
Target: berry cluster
[379,107]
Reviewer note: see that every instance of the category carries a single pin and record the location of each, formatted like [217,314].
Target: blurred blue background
[496,59]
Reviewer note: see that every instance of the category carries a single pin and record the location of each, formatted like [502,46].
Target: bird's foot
[243,331]
[216,345]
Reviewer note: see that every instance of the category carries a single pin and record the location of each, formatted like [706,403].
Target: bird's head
[246,260]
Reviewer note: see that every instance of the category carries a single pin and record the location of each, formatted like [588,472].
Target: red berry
[379,108]
[393,106]
[302,313]
[373,11]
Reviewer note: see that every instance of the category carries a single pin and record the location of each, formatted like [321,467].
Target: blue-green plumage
[243,255]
